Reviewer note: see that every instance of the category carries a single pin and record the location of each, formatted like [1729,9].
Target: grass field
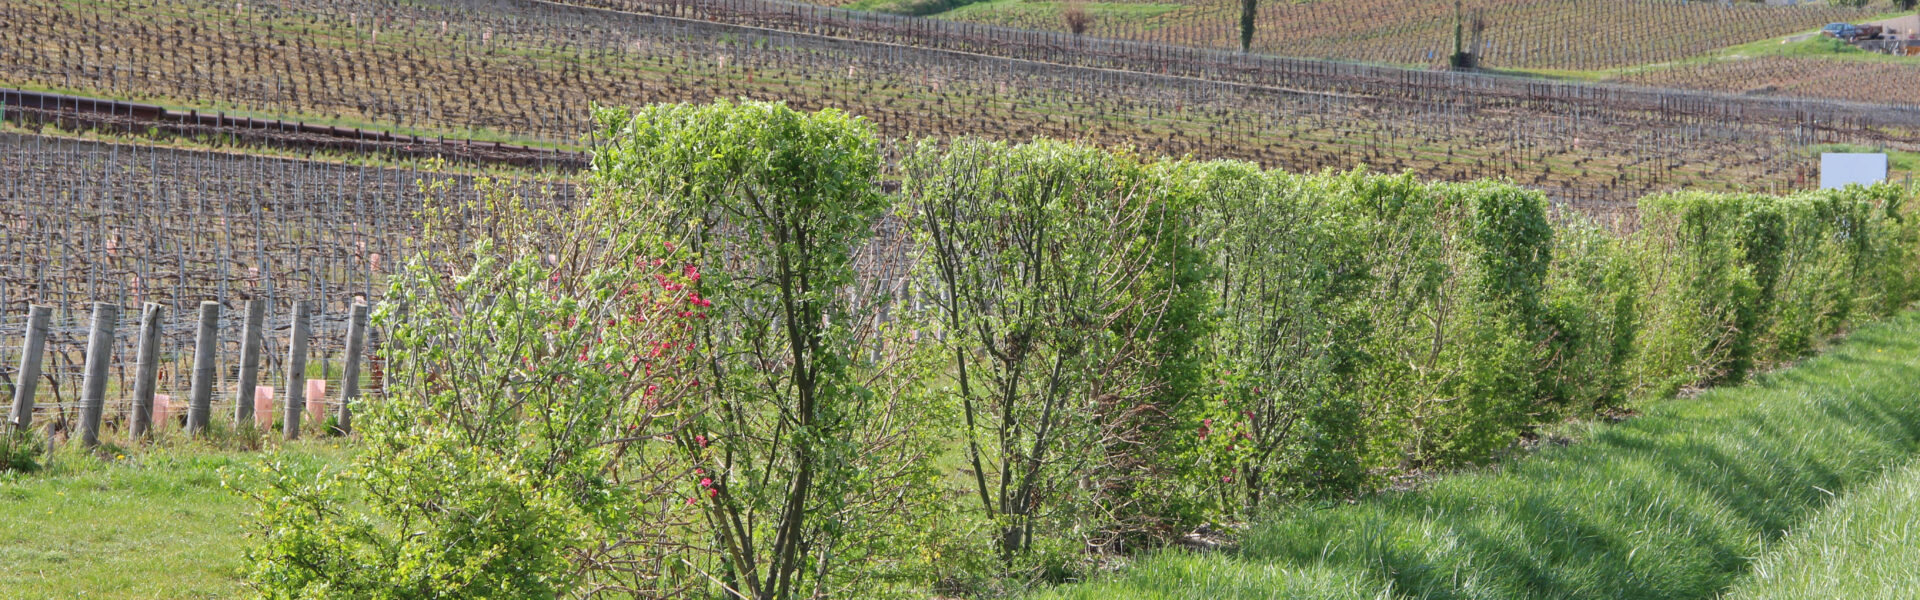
[1865,546]
[1673,504]
[155,523]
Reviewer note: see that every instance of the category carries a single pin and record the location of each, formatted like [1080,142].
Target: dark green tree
[1247,9]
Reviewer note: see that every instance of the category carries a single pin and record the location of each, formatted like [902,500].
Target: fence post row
[205,342]
[146,371]
[28,378]
[249,363]
[296,372]
[93,389]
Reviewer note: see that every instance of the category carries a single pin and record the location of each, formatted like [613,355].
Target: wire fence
[57,399]
[128,224]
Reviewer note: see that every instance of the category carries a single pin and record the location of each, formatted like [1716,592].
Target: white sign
[1839,169]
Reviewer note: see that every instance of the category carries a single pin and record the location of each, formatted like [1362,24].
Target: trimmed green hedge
[1104,352]
[1371,323]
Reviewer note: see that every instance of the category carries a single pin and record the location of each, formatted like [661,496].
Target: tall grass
[1866,545]
[1672,504]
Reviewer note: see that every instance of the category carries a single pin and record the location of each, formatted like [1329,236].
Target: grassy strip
[1668,505]
[1864,546]
[152,524]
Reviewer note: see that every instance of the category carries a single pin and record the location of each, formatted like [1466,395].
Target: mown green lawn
[156,523]
[1674,504]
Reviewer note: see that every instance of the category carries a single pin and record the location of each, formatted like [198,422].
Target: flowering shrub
[534,440]
[809,418]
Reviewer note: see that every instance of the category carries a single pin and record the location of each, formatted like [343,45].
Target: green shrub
[1290,278]
[523,446]
[685,387]
[806,414]
[1703,298]
[1069,301]
[1592,310]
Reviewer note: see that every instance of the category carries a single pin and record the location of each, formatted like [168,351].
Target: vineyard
[127,225]
[778,300]
[1557,34]
[1860,81]
[530,71]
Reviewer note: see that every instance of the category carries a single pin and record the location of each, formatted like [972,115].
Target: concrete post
[350,382]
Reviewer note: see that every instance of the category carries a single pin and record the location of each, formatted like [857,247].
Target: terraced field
[1861,81]
[525,71]
[1554,34]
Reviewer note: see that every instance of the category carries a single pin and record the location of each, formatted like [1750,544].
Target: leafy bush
[1592,309]
[1069,301]
[525,445]
[803,414]
[1291,274]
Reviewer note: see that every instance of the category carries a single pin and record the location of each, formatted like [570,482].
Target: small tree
[1077,18]
[807,414]
[1068,303]
[1248,10]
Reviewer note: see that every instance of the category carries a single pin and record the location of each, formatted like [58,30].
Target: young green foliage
[806,414]
[1069,301]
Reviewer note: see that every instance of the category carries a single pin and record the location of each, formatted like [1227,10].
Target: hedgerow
[683,387]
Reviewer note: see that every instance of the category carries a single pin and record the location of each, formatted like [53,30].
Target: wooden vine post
[146,371]
[296,372]
[93,389]
[31,352]
[205,344]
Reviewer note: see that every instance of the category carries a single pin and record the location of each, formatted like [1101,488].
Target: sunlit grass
[1866,545]
[143,523]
